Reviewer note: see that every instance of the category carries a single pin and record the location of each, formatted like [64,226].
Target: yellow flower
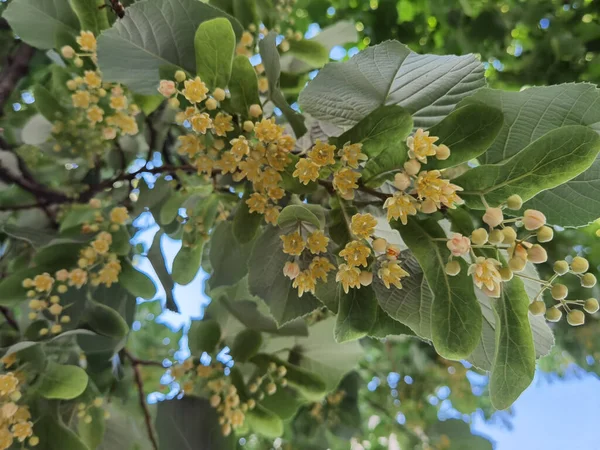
[322,153]
[118,215]
[222,124]
[9,360]
[317,242]
[349,276]
[344,181]
[319,267]
[126,123]
[267,130]
[420,146]
[227,163]
[276,193]
[263,84]
[351,154]
[250,168]
[257,203]
[486,275]
[201,122]
[190,145]
[278,158]
[292,243]
[363,225]
[240,147]
[305,282]
[203,371]
[81,99]
[8,383]
[95,114]
[87,41]
[100,246]
[286,143]
[400,206]
[118,102]
[22,430]
[195,90]
[6,438]
[356,253]
[431,186]
[390,272]
[271,215]
[247,39]
[109,274]
[204,164]
[92,79]
[22,414]
[43,282]
[306,171]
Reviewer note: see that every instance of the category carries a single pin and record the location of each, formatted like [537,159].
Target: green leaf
[37,22]
[54,435]
[245,223]
[384,166]
[245,11]
[187,264]
[158,263]
[77,215]
[383,129]
[243,86]
[229,259]
[293,214]
[285,402]
[339,220]
[310,52]
[137,283]
[385,326]
[92,434]
[62,382]
[246,344]
[105,320]
[427,86]
[468,131]
[204,335]
[267,281]
[330,293]
[265,422]
[530,114]
[47,104]
[458,434]
[161,43]
[514,363]
[170,208]
[190,423]
[215,45]
[356,314]
[553,159]
[121,241]
[456,314]
[92,15]
[270,59]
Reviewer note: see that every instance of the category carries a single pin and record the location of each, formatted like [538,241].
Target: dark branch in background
[14,69]
[40,191]
[135,364]
[10,319]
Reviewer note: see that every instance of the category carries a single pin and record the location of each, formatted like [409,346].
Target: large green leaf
[204,335]
[154,34]
[384,166]
[187,264]
[468,132]
[62,382]
[384,129]
[243,86]
[533,112]
[456,314]
[356,314]
[385,326]
[54,435]
[158,263]
[514,364]
[137,283]
[37,22]
[92,14]
[47,104]
[310,52]
[270,59]
[245,223]
[458,435]
[267,281]
[294,214]
[228,257]
[553,159]
[428,86]
[215,44]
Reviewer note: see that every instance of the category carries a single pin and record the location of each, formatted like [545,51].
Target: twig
[135,364]
[33,187]
[15,69]
[8,315]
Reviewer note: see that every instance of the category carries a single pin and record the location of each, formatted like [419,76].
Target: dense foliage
[367,230]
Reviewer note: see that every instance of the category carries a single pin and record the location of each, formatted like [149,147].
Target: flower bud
[588,280]
[580,265]
[78,62]
[219,94]
[401,181]
[167,88]
[291,270]
[514,202]
[412,166]
[211,104]
[226,429]
[575,317]
[516,264]
[533,219]
[459,244]
[174,102]
[365,278]
[180,76]
[493,217]
[255,110]
[505,273]
[537,308]
[215,400]
[453,268]
[379,245]
[428,206]
[248,126]
[271,388]
[553,314]
[479,236]
[559,292]
[392,251]
[442,152]
[545,234]
[67,51]
[510,235]
[537,254]
[496,237]
[561,267]
[591,305]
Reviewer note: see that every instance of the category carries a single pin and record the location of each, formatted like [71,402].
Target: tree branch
[16,68]
[8,315]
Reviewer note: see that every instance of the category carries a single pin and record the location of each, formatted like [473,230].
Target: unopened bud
[496,237]
[505,273]
[533,219]
[248,126]
[365,278]
[545,234]
[211,104]
[591,305]
[442,152]
[510,235]
[553,314]
[412,166]
[514,202]
[493,217]
[219,94]
[453,268]
[379,245]
[561,267]
[174,102]
[255,110]
[428,206]
[588,280]
[516,264]
[580,265]
[537,254]
[67,51]
[479,236]
[401,181]
[537,308]
[559,292]
[180,76]
[575,317]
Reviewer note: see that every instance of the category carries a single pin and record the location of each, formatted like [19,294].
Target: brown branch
[10,319]
[16,68]
[135,364]
[33,187]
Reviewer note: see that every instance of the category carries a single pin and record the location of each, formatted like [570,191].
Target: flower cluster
[84,410]
[15,419]
[328,410]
